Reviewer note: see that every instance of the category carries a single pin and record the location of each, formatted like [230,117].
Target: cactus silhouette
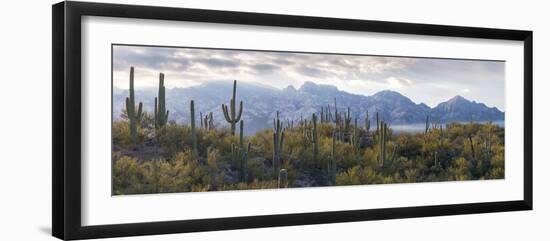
[382,143]
[161,114]
[241,134]
[367,123]
[193,129]
[283,179]
[347,120]
[354,139]
[210,121]
[278,141]
[134,116]
[207,123]
[239,155]
[328,114]
[312,136]
[332,162]
[337,116]
[232,116]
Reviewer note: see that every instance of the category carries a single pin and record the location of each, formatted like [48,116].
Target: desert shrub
[121,134]
[177,169]
[127,176]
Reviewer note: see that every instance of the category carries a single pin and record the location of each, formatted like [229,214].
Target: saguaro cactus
[328,114]
[382,143]
[382,139]
[239,155]
[193,129]
[332,162]
[313,137]
[283,179]
[367,123]
[354,139]
[134,116]
[278,141]
[208,122]
[232,116]
[161,114]
[347,120]
[336,114]
[241,134]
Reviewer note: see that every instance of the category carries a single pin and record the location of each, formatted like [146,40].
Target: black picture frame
[66,127]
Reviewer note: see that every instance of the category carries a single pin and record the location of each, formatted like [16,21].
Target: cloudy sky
[421,79]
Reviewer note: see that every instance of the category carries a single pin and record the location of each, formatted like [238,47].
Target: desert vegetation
[152,154]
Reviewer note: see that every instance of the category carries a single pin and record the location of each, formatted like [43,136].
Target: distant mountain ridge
[262,102]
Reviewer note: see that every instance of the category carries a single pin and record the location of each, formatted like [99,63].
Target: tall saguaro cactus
[239,155]
[312,136]
[336,114]
[367,123]
[347,120]
[208,122]
[193,129]
[332,162]
[354,139]
[232,115]
[382,143]
[161,114]
[278,141]
[383,139]
[134,116]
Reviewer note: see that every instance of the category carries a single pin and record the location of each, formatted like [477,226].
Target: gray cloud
[422,79]
[265,68]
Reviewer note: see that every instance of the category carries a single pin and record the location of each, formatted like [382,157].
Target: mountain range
[261,103]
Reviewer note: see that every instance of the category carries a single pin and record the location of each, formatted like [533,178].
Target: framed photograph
[169,120]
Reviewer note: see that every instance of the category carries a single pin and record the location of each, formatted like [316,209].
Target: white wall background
[25,104]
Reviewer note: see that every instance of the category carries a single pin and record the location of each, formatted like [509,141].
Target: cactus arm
[139,114]
[225,113]
[240,112]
